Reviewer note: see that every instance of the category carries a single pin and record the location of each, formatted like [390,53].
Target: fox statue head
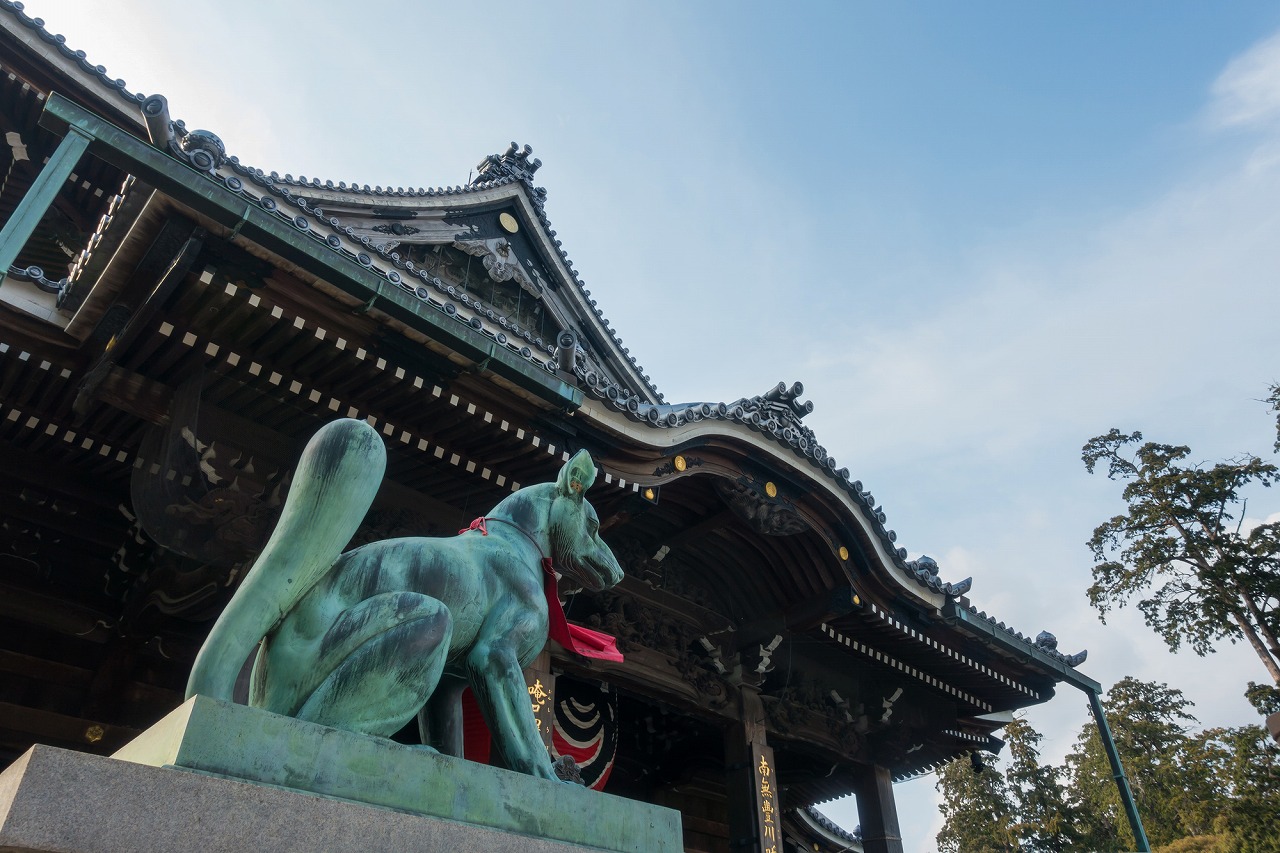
[574,528]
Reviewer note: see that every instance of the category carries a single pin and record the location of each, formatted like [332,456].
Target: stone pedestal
[215,776]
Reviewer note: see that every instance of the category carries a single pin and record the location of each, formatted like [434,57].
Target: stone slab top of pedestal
[234,741]
[57,801]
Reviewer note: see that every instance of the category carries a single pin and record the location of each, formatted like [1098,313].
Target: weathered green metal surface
[364,641]
[953,612]
[333,486]
[210,736]
[18,230]
[1117,773]
[183,184]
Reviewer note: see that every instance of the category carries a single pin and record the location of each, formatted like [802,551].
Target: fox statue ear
[576,476]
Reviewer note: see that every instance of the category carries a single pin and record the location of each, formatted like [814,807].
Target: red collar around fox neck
[575,638]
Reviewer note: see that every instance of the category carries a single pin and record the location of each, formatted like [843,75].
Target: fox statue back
[368,639]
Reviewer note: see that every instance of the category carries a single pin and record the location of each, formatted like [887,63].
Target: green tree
[1199,577]
[1022,807]
[1149,724]
[1237,774]
[1043,819]
[977,809]
[1264,697]
[1214,791]
[1249,780]
[1274,400]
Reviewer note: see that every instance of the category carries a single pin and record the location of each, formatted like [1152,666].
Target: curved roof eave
[852,502]
[92,81]
[667,427]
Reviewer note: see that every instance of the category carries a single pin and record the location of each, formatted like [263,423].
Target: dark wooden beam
[52,475]
[149,400]
[46,726]
[39,338]
[799,617]
[80,526]
[40,669]
[697,530]
[709,621]
[164,265]
[57,614]
[136,394]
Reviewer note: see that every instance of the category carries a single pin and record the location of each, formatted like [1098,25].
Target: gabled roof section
[508,177]
[500,178]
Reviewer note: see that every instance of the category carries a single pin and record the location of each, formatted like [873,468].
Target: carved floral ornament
[821,711]
[764,513]
[639,627]
[501,262]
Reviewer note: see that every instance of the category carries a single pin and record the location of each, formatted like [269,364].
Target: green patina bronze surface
[223,739]
[367,640]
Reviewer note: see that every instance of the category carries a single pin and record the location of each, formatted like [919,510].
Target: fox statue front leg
[510,638]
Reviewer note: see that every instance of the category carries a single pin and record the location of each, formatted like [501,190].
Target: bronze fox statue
[367,639]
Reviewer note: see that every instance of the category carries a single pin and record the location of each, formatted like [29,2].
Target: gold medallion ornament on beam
[761,507]
[680,463]
[508,223]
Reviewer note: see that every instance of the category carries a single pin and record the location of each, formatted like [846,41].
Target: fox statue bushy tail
[345,458]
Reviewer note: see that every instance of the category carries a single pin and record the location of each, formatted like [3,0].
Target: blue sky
[979,233]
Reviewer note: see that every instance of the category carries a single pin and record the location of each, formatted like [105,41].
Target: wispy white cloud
[1247,92]
[1163,303]
[1248,523]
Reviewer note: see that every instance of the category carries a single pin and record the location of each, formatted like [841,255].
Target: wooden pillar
[877,812]
[751,784]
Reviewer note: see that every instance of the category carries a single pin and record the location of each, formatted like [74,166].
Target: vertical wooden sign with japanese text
[541,685]
[768,815]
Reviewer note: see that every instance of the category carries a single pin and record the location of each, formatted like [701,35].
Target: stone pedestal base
[202,794]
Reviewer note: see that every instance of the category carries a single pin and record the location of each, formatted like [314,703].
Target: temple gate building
[175,324]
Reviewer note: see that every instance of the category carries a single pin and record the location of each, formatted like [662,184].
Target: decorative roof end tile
[1047,641]
[513,163]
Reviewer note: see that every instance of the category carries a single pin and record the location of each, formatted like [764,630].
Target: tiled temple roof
[775,414]
[115,86]
[495,170]
[832,827]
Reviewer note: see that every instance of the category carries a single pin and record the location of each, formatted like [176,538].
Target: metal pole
[17,231]
[1117,772]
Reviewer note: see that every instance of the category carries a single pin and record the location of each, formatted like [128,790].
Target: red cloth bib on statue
[575,638]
